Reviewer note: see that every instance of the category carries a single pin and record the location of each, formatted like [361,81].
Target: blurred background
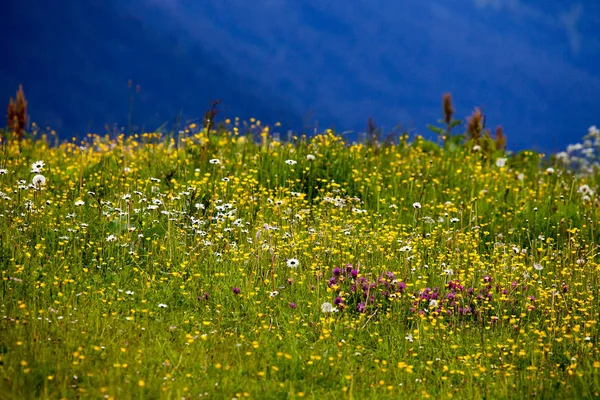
[532,66]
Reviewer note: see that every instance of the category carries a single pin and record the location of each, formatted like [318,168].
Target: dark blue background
[533,66]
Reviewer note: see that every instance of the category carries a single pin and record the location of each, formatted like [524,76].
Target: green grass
[494,292]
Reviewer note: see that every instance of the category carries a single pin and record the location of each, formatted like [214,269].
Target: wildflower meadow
[222,261]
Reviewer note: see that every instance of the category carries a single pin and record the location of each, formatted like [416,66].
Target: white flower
[433,303]
[37,166]
[293,263]
[310,157]
[273,294]
[416,205]
[449,272]
[3,171]
[550,170]
[155,180]
[453,220]
[291,162]
[111,238]
[161,305]
[563,156]
[538,267]
[215,161]
[328,308]
[585,189]
[79,203]
[409,337]
[38,181]
[500,162]
[476,147]
[520,177]
[129,292]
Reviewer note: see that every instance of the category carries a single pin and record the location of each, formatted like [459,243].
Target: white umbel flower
[328,308]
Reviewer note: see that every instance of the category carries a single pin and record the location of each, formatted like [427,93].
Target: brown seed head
[500,138]
[448,109]
[17,113]
[475,124]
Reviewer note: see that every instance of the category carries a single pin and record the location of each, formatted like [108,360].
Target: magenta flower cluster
[362,294]
[358,293]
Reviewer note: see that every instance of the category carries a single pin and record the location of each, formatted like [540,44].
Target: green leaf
[436,129]
[454,123]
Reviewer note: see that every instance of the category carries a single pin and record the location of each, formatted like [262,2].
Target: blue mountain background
[532,66]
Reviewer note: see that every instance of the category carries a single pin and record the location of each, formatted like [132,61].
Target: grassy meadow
[225,263]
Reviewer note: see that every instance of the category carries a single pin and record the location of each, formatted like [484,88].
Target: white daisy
[293,263]
[37,167]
